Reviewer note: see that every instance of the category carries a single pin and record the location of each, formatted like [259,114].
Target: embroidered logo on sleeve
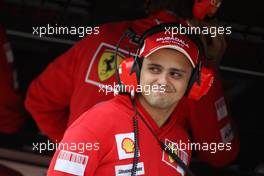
[180,153]
[125,170]
[70,162]
[106,64]
[227,133]
[101,70]
[125,145]
[221,109]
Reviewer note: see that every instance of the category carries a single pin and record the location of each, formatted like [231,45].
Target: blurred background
[242,69]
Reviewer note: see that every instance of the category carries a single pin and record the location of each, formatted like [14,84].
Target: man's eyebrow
[171,69]
[155,65]
[178,70]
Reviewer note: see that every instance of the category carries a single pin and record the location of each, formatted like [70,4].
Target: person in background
[213,108]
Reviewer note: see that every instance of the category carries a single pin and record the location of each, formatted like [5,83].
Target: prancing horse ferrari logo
[106,65]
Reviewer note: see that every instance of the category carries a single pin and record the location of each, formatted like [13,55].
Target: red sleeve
[11,118]
[72,156]
[211,125]
[48,96]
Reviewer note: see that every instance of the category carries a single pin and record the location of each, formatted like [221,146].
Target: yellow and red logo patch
[169,159]
[101,69]
[106,64]
[125,145]
[128,145]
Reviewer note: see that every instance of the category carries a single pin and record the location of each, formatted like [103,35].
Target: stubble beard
[160,100]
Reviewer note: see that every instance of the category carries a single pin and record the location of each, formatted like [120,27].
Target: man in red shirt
[70,85]
[126,132]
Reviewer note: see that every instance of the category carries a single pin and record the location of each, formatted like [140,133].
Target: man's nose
[163,79]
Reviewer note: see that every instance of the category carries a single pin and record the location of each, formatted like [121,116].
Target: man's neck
[159,115]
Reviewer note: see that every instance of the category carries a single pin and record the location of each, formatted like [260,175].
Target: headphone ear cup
[206,80]
[127,75]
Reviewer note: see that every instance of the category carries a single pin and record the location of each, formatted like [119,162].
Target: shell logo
[128,145]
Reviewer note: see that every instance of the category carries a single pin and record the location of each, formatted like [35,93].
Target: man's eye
[154,70]
[176,75]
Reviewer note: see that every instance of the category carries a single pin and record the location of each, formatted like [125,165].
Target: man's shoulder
[103,119]
[105,112]
[105,108]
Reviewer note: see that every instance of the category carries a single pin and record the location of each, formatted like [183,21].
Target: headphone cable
[136,145]
[164,147]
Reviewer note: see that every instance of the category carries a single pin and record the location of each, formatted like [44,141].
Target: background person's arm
[48,97]
[212,123]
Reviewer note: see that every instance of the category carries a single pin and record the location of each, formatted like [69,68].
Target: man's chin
[158,101]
